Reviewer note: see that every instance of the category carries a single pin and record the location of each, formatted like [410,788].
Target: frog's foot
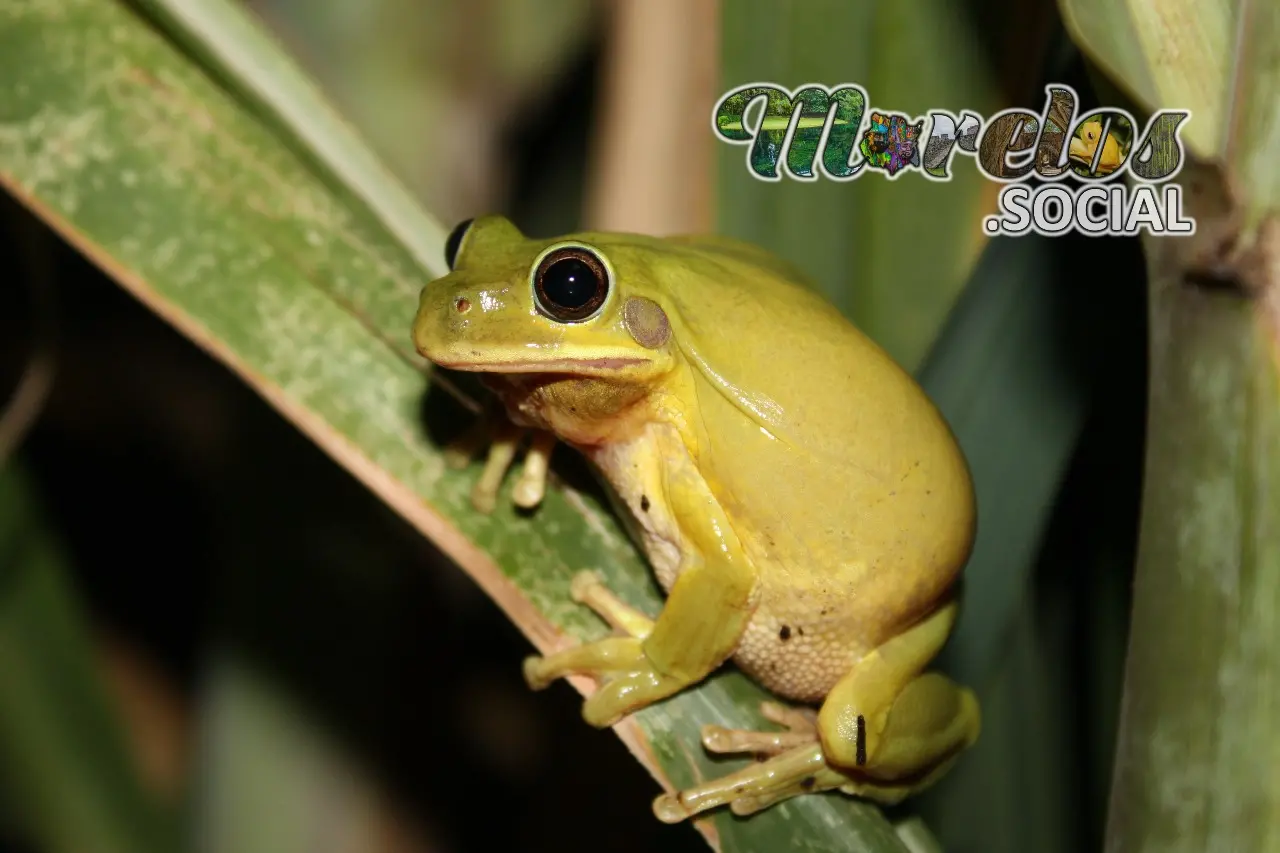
[885,731]
[801,725]
[700,625]
[799,770]
[633,682]
[630,681]
[802,770]
[930,724]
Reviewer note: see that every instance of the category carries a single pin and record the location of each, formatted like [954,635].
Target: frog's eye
[454,242]
[571,284]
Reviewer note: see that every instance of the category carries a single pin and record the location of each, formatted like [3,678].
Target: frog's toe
[731,741]
[531,488]
[458,456]
[502,452]
[583,585]
[801,725]
[459,452]
[800,770]
[587,588]
[629,681]
[529,492]
[796,719]
[626,694]
[484,497]
[534,668]
[610,655]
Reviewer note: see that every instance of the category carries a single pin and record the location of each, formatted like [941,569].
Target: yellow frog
[1084,147]
[802,502]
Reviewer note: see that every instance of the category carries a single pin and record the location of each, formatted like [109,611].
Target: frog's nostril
[462,304]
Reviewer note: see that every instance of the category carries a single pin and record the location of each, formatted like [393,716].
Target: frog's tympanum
[803,504]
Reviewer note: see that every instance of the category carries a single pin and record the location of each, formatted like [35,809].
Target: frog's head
[577,306]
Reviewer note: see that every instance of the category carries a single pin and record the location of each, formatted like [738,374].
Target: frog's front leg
[885,732]
[503,439]
[531,487]
[705,614]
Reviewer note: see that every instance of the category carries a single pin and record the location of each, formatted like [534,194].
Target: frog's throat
[555,365]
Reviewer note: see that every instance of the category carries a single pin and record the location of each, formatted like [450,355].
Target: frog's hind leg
[854,718]
[796,771]
[801,725]
[930,724]
[885,732]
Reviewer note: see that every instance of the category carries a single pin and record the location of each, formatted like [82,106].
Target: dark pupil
[569,283]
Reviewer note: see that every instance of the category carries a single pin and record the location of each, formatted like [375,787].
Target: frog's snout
[448,311]
[438,307]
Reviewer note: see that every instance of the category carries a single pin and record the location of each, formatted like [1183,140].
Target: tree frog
[803,504]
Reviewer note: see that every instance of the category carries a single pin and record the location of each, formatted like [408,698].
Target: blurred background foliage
[281,648]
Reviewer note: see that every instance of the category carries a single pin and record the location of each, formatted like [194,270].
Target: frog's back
[840,475]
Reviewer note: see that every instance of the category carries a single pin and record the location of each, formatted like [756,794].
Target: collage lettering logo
[818,131]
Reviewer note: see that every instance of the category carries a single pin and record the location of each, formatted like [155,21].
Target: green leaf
[1016,398]
[63,755]
[241,55]
[1171,55]
[1253,134]
[1218,59]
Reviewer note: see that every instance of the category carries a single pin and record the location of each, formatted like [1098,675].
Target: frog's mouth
[555,365]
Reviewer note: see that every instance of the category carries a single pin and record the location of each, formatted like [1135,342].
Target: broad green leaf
[63,755]
[239,53]
[1016,397]
[1253,132]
